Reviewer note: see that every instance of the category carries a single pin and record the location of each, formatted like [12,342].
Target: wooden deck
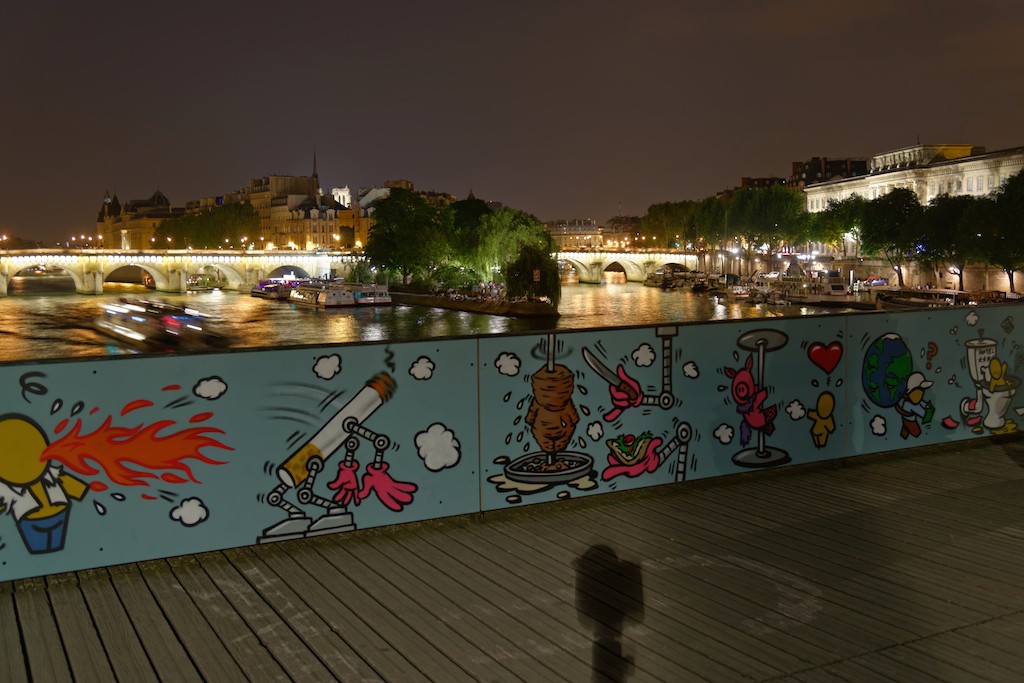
[899,568]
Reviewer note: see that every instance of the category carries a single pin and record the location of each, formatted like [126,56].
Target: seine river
[42,317]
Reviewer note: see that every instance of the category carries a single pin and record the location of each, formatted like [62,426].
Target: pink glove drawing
[347,483]
[626,395]
[395,495]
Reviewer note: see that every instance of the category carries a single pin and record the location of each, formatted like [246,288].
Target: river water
[43,317]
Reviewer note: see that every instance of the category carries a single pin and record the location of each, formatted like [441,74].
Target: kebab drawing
[552,418]
[299,471]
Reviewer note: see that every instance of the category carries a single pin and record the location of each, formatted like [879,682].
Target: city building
[294,213]
[928,170]
[820,169]
[575,234]
[132,225]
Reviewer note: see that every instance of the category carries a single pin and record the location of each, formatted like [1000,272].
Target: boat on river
[275,288]
[338,294]
[896,298]
[156,325]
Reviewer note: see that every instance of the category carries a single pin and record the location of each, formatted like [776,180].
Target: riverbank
[509,309]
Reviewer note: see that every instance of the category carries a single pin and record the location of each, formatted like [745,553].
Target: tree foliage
[460,244]
[533,274]
[219,226]
[892,227]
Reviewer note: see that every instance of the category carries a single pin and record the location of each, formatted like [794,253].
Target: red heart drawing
[825,357]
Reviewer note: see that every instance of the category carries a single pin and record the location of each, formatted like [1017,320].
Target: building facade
[132,225]
[928,170]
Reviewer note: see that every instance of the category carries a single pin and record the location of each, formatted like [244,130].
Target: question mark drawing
[932,350]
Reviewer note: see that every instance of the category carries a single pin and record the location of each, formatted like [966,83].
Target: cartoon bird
[750,402]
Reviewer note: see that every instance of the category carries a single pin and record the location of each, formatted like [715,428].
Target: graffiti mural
[126,459]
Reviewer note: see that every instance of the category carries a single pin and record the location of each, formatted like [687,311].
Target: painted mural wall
[124,459]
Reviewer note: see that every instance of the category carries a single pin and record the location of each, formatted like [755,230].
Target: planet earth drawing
[887,365]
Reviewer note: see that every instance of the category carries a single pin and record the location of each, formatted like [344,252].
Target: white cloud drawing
[878,425]
[190,512]
[210,388]
[723,433]
[507,364]
[972,318]
[327,367]
[422,369]
[644,356]
[796,410]
[438,447]
[690,370]
[595,430]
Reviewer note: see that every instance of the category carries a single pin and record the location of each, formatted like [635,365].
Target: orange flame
[122,451]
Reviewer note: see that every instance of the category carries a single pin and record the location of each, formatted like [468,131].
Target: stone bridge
[590,265]
[171,269]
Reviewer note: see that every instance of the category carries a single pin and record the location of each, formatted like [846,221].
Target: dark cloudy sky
[557,107]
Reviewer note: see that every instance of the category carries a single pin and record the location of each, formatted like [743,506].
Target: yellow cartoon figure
[997,375]
[824,422]
[32,489]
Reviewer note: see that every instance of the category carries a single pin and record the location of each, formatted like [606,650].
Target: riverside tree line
[951,231]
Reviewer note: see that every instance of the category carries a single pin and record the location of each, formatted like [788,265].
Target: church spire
[315,180]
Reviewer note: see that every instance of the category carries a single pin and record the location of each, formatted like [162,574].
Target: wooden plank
[969,655]
[82,645]
[342,661]
[840,547]
[120,641]
[159,641]
[538,598]
[245,648]
[273,632]
[668,643]
[12,660]
[40,637]
[772,639]
[311,583]
[491,630]
[544,633]
[938,531]
[211,656]
[441,635]
[416,648]
[855,554]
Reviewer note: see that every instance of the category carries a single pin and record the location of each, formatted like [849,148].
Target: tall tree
[404,234]
[1004,243]
[892,226]
[840,218]
[954,233]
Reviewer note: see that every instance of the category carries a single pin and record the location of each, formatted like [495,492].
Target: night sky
[563,109]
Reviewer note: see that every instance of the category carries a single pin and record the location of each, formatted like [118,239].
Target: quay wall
[121,459]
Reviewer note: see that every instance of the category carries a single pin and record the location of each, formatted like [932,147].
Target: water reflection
[43,317]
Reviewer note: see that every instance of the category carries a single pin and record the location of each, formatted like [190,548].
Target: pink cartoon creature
[750,402]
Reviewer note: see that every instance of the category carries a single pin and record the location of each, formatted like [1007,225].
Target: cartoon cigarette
[295,470]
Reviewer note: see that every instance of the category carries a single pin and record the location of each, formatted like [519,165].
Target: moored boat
[322,295]
[275,288]
[934,298]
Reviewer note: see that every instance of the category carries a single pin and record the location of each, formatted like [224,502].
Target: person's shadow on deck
[608,590]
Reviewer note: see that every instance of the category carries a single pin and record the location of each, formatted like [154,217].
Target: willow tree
[502,235]
[533,274]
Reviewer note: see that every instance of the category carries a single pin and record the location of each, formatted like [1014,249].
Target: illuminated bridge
[171,269]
